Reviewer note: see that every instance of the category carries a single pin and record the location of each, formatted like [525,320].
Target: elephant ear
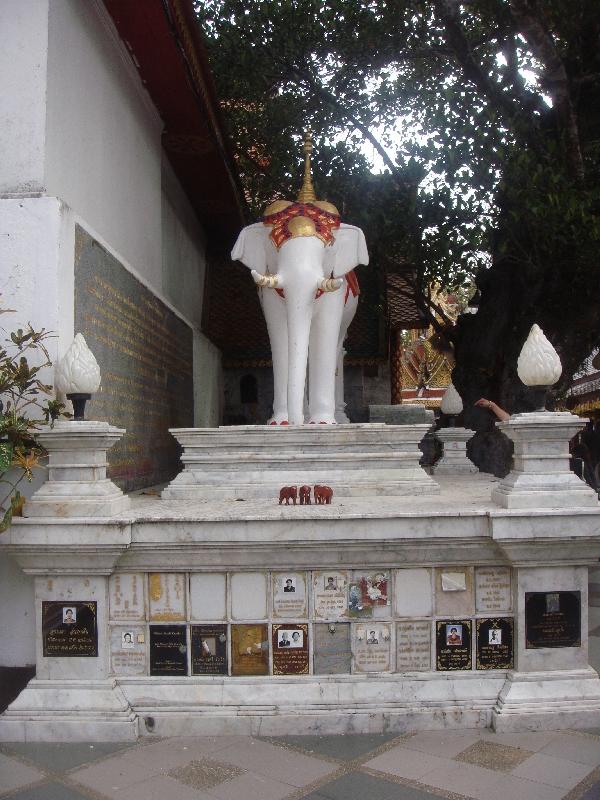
[255,249]
[348,250]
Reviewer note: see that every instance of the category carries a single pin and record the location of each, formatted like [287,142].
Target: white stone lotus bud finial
[452,403]
[77,372]
[538,364]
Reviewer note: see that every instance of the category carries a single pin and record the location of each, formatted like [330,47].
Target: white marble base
[254,461]
[69,711]
[540,476]
[532,701]
[454,459]
[77,485]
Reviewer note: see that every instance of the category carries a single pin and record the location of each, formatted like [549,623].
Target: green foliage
[22,396]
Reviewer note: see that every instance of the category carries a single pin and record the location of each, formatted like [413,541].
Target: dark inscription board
[145,354]
[552,619]
[453,644]
[209,650]
[69,630]
[168,650]
[249,650]
[290,649]
[332,648]
[495,643]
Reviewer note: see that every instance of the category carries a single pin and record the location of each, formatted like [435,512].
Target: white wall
[22,99]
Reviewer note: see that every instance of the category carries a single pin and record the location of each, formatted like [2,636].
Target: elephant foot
[323,422]
[277,422]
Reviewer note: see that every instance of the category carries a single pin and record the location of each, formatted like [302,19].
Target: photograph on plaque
[330,594]
[372,647]
[413,646]
[492,589]
[69,630]
[126,597]
[168,650]
[290,649]
[494,643]
[249,650]
[128,650]
[209,649]
[289,594]
[552,619]
[332,652]
[453,644]
[166,591]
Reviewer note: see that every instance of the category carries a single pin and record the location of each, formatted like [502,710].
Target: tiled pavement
[455,765]
[461,764]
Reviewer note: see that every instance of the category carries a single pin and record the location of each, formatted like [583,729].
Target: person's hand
[483,403]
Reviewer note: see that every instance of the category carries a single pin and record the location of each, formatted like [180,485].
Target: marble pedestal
[253,461]
[540,476]
[77,485]
[454,459]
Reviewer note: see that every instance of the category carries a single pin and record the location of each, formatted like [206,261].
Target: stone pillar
[77,485]
[396,350]
[454,460]
[540,475]
[340,402]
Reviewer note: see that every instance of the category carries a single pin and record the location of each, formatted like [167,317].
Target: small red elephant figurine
[323,495]
[288,493]
[305,495]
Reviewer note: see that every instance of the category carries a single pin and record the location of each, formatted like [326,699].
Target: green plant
[23,406]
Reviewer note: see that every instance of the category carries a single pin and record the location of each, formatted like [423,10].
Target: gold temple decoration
[307,216]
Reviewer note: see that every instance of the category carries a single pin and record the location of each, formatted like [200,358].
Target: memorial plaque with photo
[492,589]
[552,619]
[126,592]
[168,650]
[372,647]
[495,643]
[128,650]
[330,594]
[290,649]
[249,650]
[332,648]
[145,353]
[369,595]
[413,646]
[166,591]
[453,644]
[289,594]
[69,630]
[209,649]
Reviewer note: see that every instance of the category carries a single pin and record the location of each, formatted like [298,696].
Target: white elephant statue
[300,256]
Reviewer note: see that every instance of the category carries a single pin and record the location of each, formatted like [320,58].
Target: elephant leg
[347,317]
[275,315]
[323,352]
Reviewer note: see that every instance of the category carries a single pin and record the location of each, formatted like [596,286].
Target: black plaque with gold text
[453,644]
[495,643]
[552,619]
[209,649]
[145,353]
[168,650]
[69,630]
[290,649]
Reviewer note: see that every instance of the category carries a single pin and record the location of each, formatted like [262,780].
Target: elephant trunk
[299,315]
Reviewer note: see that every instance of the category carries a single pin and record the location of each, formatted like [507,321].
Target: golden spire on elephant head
[306,216]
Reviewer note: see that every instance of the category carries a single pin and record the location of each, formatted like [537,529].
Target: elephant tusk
[270,281]
[329,284]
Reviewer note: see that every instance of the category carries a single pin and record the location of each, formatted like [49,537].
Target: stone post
[454,460]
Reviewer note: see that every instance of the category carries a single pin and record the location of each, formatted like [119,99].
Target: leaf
[6,455]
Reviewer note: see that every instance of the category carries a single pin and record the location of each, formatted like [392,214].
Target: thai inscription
[168,650]
[372,647]
[145,353]
[69,630]
[249,650]
[453,644]
[289,594]
[330,594]
[495,643]
[492,589]
[166,592]
[413,646]
[290,649]
[128,650]
[552,619]
[209,649]
[126,592]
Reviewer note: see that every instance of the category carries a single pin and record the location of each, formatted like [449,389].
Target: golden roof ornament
[307,216]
